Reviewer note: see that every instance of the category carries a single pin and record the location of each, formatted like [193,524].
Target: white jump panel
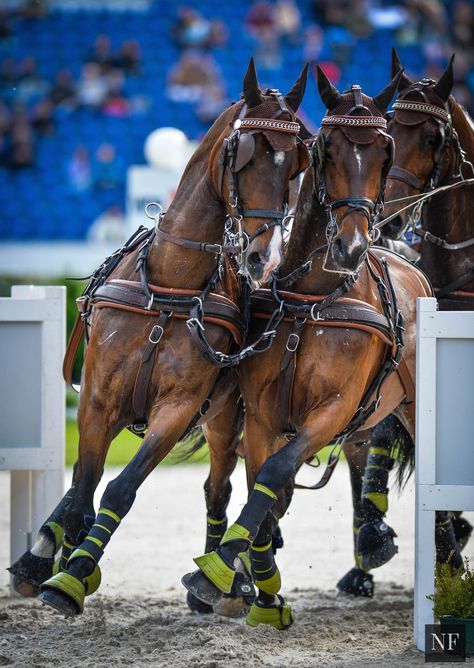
[32,406]
[444,425]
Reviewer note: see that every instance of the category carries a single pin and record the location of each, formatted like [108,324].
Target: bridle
[370,208]
[448,135]
[236,152]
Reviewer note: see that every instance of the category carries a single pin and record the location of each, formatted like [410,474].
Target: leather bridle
[370,208]
[448,135]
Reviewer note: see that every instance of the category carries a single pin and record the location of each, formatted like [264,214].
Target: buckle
[316,317]
[295,341]
[157,331]
[191,322]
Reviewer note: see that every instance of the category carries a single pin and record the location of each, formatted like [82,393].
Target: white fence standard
[32,406]
[444,443]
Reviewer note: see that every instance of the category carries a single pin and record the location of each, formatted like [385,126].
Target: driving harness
[410,112]
[203,307]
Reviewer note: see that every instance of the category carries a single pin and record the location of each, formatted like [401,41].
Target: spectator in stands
[109,226]
[92,87]
[313,40]
[63,91]
[79,169]
[31,85]
[101,53]
[288,21]
[33,9]
[192,75]
[42,118]
[108,170]
[21,140]
[129,58]
[6,30]
[191,29]
[261,24]
[212,103]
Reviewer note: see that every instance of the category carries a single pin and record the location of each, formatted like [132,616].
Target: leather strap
[407,177]
[193,245]
[142,381]
[72,347]
[287,374]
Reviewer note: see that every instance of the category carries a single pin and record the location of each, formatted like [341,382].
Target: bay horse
[155,346]
[344,355]
[434,140]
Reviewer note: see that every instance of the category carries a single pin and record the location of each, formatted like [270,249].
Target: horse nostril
[337,247]
[255,259]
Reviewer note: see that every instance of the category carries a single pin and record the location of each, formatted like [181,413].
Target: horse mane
[464,126]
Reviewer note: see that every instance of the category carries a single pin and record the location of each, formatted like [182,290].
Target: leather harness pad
[245,151]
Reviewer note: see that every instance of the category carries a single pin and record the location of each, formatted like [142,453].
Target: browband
[423,108]
[372,121]
[263,124]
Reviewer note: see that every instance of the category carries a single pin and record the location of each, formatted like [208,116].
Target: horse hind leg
[356,582]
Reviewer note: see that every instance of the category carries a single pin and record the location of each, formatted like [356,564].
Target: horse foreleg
[36,565]
[66,590]
[223,436]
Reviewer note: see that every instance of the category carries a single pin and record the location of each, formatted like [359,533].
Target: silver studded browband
[423,108]
[355,121]
[264,124]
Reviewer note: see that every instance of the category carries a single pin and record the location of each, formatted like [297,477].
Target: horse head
[259,157]
[422,129]
[352,155]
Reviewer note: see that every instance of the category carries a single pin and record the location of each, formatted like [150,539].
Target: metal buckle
[292,347]
[316,317]
[150,303]
[190,322]
[158,331]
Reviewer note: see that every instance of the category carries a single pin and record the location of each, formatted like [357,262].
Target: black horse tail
[403,452]
[195,439]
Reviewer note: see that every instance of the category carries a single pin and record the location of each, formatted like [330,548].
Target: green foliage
[454,592]
[125,446]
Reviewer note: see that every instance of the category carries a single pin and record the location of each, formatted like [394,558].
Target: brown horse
[331,369]
[142,364]
[434,139]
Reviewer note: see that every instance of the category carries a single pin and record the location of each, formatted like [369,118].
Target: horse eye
[431,141]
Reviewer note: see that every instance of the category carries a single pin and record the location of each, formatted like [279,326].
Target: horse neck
[448,214]
[196,213]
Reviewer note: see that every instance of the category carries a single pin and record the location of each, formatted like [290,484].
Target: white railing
[32,406]
[444,443]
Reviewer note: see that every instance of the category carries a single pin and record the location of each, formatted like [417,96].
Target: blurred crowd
[32,105]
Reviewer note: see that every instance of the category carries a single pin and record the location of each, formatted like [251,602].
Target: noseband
[371,209]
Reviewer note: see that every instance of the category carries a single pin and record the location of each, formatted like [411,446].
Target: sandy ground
[139,617]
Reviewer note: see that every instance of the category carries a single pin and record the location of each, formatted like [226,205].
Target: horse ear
[383,99]
[329,93]
[252,93]
[295,96]
[446,82]
[396,67]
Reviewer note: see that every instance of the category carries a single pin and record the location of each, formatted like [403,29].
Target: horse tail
[403,452]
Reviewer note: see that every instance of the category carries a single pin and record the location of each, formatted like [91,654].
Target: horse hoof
[278,615]
[198,606]
[64,593]
[201,587]
[375,545]
[29,572]
[230,606]
[356,583]
[59,601]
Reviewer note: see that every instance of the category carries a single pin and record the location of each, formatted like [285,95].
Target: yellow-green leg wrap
[236,532]
[277,615]
[265,572]
[58,532]
[69,585]
[217,571]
